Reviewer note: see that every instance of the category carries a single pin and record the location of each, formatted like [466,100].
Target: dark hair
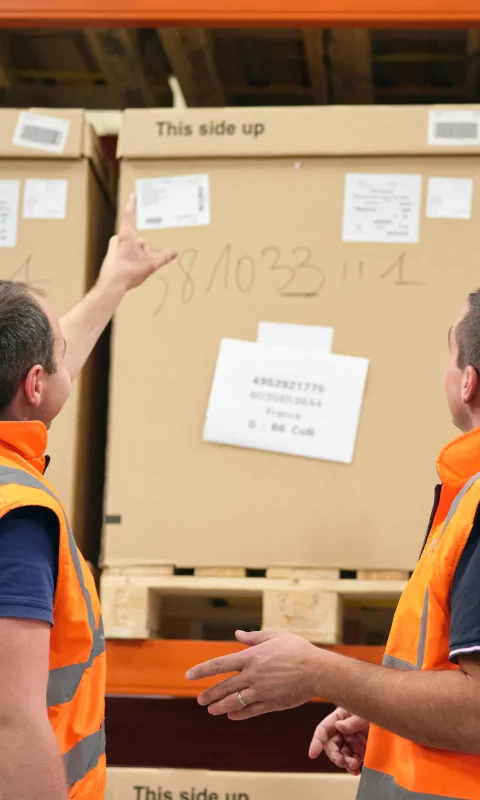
[468,334]
[26,338]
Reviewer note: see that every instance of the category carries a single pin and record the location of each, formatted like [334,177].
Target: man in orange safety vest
[411,726]
[52,665]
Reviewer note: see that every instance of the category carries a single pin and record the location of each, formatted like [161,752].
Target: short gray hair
[26,338]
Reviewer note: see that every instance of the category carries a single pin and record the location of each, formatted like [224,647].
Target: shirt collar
[26,439]
[459,460]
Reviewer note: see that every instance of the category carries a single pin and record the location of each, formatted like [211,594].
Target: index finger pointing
[127,218]
[218,666]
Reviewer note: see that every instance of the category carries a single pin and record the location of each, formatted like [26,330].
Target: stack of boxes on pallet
[359,219]
[56,215]
[351,218]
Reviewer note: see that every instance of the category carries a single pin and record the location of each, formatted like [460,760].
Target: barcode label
[41,132]
[454,128]
[30,133]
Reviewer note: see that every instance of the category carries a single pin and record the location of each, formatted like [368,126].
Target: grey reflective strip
[64,681]
[423,632]
[380,786]
[84,757]
[459,499]
[397,663]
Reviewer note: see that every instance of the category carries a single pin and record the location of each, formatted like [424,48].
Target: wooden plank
[314,615]
[191,57]
[350,59]
[158,667]
[120,59]
[220,572]
[383,575]
[146,570]
[313,42]
[6,76]
[302,573]
[472,70]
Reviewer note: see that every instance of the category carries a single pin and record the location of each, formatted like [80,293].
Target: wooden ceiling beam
[313,42]
[349,55]
[117,53]
[191,57]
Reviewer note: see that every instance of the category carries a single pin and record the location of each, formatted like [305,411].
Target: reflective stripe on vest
[64,681]
[84,756]
[380,786]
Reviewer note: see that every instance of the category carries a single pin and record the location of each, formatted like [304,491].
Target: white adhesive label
[45,199]
[9,200]
[382,208]
[173,202]
[456,127]
[449,198]
[286,400]
[41,132]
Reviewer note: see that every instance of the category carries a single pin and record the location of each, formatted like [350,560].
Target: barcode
[456,130]
[47,136]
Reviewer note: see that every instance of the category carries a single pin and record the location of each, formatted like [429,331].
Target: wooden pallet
[211,603]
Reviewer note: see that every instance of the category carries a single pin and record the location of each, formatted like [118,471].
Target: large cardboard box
[57,216]
[290,237]
[179,784]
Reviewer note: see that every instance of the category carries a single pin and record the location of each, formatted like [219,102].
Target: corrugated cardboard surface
[170,784]
[190,503]
[61,257]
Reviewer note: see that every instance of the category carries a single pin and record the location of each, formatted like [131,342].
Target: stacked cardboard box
[56,215]
[170,784]
[356,218]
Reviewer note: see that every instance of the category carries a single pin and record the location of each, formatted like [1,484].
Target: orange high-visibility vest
[76,683]
[397,768]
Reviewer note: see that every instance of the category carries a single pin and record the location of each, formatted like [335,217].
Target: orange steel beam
[157,667]
[269,13]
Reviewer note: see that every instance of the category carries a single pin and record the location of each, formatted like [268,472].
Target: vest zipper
[436,500]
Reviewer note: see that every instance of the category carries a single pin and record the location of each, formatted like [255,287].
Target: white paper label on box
[313,337]
[382,208]
[173,202]
[45,199]
[41,132]
[9,199]
[456,127]
[449,198]
[286,400]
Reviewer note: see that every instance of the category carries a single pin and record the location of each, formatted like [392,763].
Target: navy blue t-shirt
[29,539]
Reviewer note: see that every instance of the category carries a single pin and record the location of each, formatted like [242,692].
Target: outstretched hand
[129,260]
[278,672]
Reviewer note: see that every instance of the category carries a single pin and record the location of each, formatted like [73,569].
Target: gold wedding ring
[242,701]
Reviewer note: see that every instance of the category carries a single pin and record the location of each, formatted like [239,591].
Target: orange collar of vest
[26,439]
[460,459]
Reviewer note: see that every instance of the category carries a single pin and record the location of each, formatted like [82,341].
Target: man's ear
[34,385]
[470,385]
